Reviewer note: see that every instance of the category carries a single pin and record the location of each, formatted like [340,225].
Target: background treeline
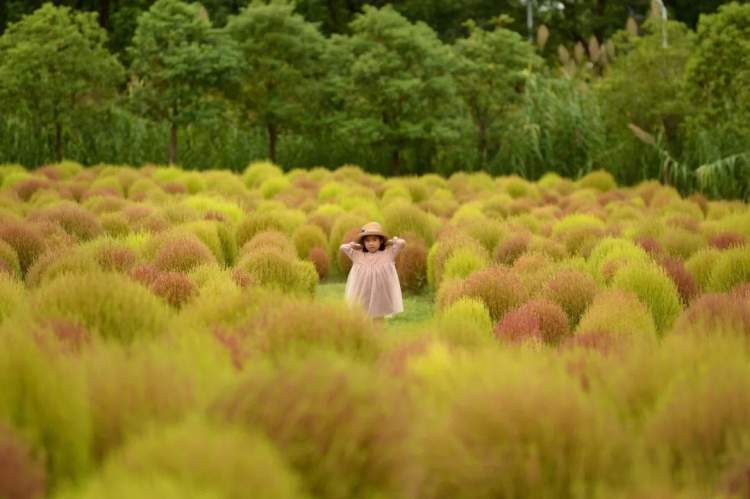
[415,87]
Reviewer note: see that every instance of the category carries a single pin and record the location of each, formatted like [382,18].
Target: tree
[53,65]
[490,75]
[179,63]
[401,93]
[282,72]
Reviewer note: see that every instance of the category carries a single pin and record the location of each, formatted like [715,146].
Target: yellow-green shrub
[259,171]
[654,288]
[732,267]
[443,249]
[578,232]
[611,254]
[258,221]
[599,180]
[499,288]
[272,240]
[9,260]
[43,396]
[701,265]
[106,303]
[401,217]
[573,290]
[308,236]
[280,271]
[464,262]
[12,297]
[618,312]
[466,322]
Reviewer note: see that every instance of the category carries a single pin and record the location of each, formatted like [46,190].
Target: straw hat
[371,229]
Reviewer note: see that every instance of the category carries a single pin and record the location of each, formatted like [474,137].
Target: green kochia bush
[654,289]
[106,303]
[280,271]
[43,396]
[220,460]
[618,312]
[732,267]
[466,322]
[345,429]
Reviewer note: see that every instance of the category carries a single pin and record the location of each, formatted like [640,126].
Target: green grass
[417,308]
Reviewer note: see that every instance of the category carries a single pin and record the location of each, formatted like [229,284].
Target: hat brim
[363,235]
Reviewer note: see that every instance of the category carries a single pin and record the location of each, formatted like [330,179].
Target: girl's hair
[382,244]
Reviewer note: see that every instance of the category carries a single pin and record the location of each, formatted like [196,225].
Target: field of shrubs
[163,334]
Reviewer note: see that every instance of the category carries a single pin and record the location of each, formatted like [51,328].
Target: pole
[530,19]
[663,9]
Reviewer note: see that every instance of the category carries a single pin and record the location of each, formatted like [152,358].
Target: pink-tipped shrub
[271,240]
[344,262]
[498,287]
[536,320]
[75,220]
[174,287]
[684,281]
[715,313]
[27,188]
[573,290]
[319,257]
[116,258]
[508,250]
[650,244]
[21,476]
[24,240]
[726,240]
[411,265]
[183,254]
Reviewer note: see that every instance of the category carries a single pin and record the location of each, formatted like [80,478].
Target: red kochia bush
[510,249]
[573,290]
[716,313]
[498,287]
[182,255]
[176,288]
[22,238]
[26,188]
[684,281]
[73,219]
[21,477]
[541,320]
[411,265]
[319,258]
[726,240]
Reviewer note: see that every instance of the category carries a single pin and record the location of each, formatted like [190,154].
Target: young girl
[373,281]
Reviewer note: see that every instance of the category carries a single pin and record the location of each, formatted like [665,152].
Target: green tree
[490,75]
[400,90]
[282,70]
[179,65]
[644,87]
[53,65]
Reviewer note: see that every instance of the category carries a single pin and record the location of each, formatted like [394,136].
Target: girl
[373,281]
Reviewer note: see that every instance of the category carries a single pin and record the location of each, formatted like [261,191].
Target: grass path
[418,309]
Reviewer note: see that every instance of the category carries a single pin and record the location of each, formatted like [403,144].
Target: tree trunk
[173,144]
[104,10]
[273,135]
[483,145]
[59,148]
[396,162]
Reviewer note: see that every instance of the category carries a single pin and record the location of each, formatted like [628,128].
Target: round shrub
[183,253]
[599,180]
[270,187]
[217,459]
[75,220]
[343,261]
[114,256]
[27,244]
[174,287]
[270,240]
[217,238]
[680,242]
[12,296]
[344,429]
[443,249]
[732,267]
[715,313]
[619,312]
[498,287]
[464,262]
[258,221]
[9,262]
[466,322]
[319,257]
[44,399]
[401,217]
[226,209]
[726,240]
[106,303]
[298,326]
[512,247]
[611,254]
[280,271]
[578,232]
[21,475]
[538,320]
[259,171]
[411,265]
[654,289]
[573,290]
[308,236]
[675,269]
[53,264]
[701,265]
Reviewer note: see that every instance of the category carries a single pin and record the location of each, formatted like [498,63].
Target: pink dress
[373,281]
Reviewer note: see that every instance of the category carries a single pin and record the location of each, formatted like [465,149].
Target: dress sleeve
[348,250]
[397,246]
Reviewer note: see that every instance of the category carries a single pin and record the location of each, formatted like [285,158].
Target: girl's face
[372,243]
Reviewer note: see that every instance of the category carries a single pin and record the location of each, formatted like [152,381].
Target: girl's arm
[396,244]
[349,248]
